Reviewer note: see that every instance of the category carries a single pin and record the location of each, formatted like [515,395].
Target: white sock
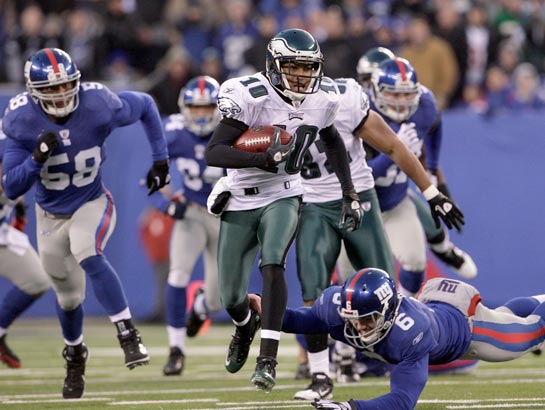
[176,337]
[319,362]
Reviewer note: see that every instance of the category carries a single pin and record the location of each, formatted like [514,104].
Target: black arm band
[336,154]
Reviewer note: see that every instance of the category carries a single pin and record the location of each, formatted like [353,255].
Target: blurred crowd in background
[488,55]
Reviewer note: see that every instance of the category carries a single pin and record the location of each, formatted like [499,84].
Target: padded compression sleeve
[336,154]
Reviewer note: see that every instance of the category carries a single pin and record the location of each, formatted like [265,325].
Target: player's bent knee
[178,279]
[69,301]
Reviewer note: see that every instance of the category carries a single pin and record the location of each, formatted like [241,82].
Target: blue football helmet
[369,62]
[299,47]
[200,92]
[395,89]
[52,80]
[369,304]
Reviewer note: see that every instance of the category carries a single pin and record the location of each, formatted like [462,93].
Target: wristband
[430,192]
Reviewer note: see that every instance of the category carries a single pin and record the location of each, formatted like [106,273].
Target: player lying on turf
[446,321]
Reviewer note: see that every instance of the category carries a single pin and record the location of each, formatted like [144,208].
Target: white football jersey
[254,101]
[320,182]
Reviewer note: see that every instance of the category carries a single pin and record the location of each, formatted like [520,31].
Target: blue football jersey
[431,333]
[72,174]
[390,182]
[5,209]
[186,151]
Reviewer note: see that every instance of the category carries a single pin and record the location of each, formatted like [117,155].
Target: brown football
[258,139]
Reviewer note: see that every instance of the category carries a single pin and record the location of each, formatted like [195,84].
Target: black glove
[334,405]
[158,176]
[443,208]
[47,142]
[352,212]
[20,209]
[278,152]
[443,188]
[19,212]
[176,209]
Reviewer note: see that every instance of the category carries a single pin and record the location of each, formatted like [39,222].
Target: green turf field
[205,384]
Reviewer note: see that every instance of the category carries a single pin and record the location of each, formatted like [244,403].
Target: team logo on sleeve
[65,137]
[228,107]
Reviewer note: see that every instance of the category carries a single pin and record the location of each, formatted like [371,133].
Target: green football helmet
[299,47]
[370,62]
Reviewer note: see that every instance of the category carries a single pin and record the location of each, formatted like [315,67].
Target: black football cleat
[320,388]
[239,348]
[136,353]
[74,383]
[265,374]
[175,363]
[194,321]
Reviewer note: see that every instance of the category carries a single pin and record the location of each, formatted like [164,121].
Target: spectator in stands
[80,36]
[339,57]
[527,93]
[267,27]
[449,27]
[497,90]
[482,42]
[235,35]
[28,38]
[174,71]
[433,59]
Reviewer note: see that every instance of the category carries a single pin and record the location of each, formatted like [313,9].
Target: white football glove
[332,405]
[408,135]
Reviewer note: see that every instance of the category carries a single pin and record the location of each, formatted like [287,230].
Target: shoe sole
[263,383]
[135,363]
[317,396]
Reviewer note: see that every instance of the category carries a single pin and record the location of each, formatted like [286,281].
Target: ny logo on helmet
[384,293]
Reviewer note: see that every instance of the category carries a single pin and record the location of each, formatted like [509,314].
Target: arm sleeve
[220,153]
[407,381]
[303,320]
[19,170]
[140,106]
[336,154]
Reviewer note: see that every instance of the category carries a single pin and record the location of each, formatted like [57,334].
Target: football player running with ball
[260,198]
[55,139]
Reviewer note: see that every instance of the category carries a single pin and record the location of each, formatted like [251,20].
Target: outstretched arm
[380,136]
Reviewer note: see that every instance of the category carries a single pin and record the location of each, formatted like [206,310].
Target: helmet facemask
[198,104]
[396,94]
[369,306]
[201,119]
[57,95]
[375,321]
